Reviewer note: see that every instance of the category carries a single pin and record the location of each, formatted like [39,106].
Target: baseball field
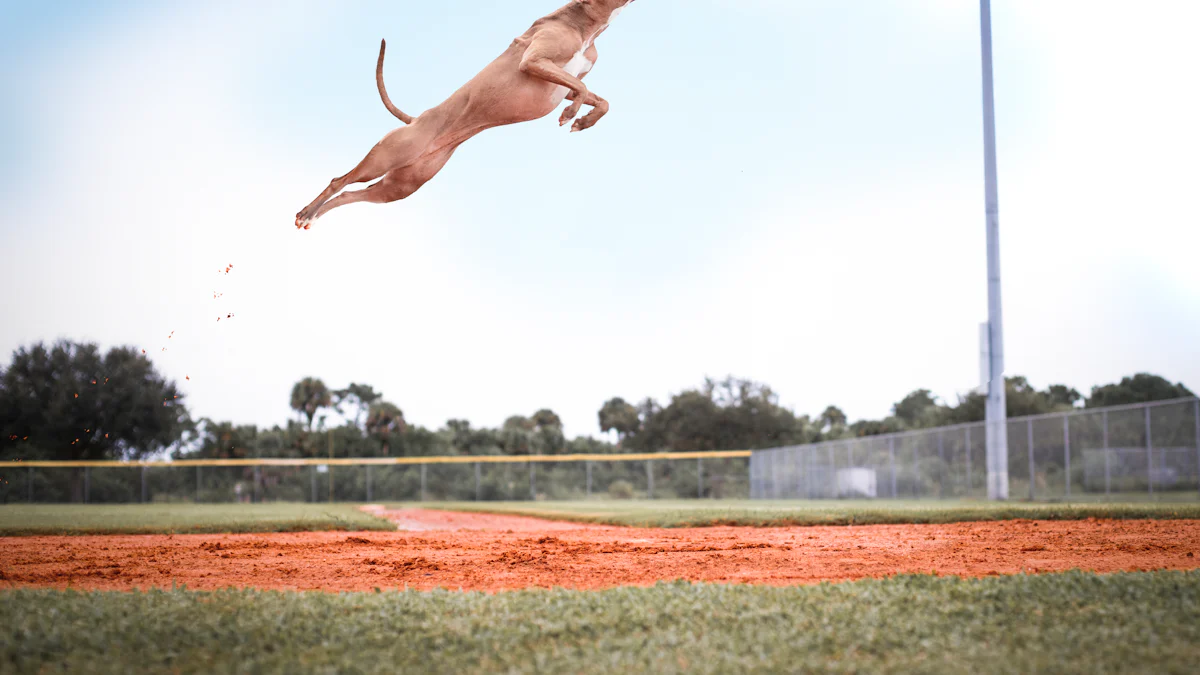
[601,587]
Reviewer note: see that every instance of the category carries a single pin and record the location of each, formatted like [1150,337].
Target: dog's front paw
[569,114]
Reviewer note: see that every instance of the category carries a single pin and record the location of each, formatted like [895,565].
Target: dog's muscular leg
[399,148]
[572,110]
[396,185]
[539,62]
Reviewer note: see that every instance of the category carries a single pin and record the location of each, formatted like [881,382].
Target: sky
[786,191]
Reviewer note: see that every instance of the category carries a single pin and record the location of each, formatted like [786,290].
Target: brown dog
[527,82]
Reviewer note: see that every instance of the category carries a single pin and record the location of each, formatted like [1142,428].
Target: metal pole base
[997,485]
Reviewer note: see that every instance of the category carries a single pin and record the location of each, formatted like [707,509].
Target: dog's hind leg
[396,185]
[379,193]
[366,171]
[399,148]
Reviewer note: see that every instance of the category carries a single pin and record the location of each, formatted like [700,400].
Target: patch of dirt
[420,520]
[495,553]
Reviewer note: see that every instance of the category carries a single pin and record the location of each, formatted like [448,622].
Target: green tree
[833,422]
[916,409]
[546,419]
[383,421]
[466,440]
[617,415]
[730,414]
[223,440]
[516,435]
[518,423]
[309,396]
[1141,388]
[889,425]
[359,396]
[1062,395]
[69,402]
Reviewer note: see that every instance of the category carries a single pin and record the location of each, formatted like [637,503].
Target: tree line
[70,401]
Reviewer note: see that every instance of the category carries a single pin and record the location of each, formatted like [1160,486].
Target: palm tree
[309,396]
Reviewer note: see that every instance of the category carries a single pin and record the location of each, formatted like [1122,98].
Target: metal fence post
[422,482]
[967,445]
[752,472]
[809,474]
[144,490]
[478,482]
[1107,459]
[369,498]
[533,481]
[313,476]
[916,472]
[942,465]
[257,484]
[1196,414]
[1149,454]
[1032,475]
[30,485]
[892,460]
[199,482]
[87,484]
[699,478]
[588,470]
[1067,451]
[650,478]
[832,470]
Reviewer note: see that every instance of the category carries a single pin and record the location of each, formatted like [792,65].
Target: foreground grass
[22,519]
[701,513]
[1074,622]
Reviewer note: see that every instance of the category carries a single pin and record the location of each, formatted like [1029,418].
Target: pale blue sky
[788,191]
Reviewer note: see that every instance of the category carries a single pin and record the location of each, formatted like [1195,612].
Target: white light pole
[997,423]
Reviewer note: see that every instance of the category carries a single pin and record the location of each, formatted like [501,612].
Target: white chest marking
[579,64]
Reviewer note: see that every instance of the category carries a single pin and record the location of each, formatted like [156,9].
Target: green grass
[700,513]
[36,519]
[1069,623]
[41,519]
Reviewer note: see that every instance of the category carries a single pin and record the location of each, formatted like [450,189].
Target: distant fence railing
[456,478]
[1152,448]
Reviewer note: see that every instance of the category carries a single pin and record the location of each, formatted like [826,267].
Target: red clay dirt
[494,553]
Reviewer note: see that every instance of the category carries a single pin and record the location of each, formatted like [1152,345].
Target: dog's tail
[387,102]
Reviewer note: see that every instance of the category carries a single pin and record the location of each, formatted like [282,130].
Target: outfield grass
[33,519]
[1076,622]
[701,513]
[38,519]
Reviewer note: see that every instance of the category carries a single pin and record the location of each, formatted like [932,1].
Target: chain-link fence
[1149,449]
[661,476]
[1142,451]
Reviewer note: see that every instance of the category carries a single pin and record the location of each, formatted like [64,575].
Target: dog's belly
[578,65]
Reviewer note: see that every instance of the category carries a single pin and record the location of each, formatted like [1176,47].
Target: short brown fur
[516,87]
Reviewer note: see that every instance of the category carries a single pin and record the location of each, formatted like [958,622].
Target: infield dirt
[472,551]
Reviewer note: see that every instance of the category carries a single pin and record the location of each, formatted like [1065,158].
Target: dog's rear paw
[303,222]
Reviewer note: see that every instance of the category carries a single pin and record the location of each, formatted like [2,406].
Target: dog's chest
[578,65]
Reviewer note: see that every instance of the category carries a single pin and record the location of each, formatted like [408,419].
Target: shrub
[620,489]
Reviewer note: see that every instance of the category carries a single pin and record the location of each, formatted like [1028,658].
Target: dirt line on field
[494,553]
